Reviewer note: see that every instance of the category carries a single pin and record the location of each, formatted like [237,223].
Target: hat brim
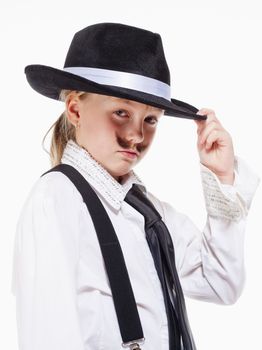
[49,82]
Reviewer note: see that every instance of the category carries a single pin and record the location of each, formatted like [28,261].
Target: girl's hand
[215,146]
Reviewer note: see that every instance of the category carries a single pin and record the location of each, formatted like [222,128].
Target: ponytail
[63,130]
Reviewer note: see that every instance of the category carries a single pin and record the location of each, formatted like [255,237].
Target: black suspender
[123,297]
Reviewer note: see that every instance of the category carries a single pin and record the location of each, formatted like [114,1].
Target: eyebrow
[128,102]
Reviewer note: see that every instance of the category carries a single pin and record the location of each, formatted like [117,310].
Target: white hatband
[123,79]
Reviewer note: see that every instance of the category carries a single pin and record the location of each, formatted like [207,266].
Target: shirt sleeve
[210,262]
[230,202]
[44,270]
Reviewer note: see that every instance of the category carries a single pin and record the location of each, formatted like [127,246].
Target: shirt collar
[98,177]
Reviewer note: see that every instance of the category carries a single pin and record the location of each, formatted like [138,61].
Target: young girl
[116,86]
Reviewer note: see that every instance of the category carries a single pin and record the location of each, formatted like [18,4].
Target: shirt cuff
[226,201]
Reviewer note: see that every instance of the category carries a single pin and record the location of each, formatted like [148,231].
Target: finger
[203,111]
[206,131]
[211,115]
[201,124]
[214,136]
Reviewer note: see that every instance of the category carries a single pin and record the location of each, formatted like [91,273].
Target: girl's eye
[153,120]
[120,112]
[150,120]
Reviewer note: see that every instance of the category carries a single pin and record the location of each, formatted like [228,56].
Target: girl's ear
[72,108]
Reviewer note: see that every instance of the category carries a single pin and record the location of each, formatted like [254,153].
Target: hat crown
[119,47]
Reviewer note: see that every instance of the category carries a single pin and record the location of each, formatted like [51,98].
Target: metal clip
[134,345]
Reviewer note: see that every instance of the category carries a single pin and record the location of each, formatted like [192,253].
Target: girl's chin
[121,172]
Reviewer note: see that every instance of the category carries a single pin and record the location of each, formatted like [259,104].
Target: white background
[213,49]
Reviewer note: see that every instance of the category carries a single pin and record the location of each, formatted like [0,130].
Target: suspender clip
[134,345]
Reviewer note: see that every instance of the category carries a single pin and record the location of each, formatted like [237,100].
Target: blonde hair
[63,130]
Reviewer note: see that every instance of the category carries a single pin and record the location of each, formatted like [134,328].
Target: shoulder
[56,185]
[52,190]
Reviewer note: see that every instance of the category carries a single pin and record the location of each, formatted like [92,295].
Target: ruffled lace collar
[97,176]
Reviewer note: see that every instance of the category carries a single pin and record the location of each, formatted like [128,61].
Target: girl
[116,86]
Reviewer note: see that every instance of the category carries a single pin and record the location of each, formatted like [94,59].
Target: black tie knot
[138,200]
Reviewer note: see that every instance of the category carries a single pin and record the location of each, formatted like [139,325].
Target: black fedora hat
[117,60]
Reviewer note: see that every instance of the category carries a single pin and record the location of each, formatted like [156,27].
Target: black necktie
[162,250]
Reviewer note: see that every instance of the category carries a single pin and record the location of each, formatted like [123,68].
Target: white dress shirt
[63,297]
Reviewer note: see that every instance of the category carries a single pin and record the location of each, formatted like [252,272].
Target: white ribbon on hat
[123,79]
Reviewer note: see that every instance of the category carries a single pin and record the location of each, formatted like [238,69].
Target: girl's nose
[134,133]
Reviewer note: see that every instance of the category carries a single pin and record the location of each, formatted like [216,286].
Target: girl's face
[110,126]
